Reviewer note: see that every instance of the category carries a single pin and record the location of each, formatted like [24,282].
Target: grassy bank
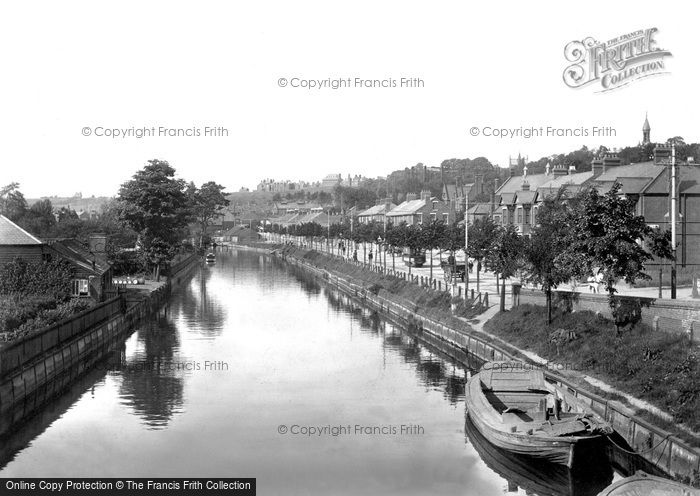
[661,368]
[431,303]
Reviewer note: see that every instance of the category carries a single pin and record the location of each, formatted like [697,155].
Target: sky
[72,71]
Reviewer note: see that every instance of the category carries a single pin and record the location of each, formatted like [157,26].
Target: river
[256,370]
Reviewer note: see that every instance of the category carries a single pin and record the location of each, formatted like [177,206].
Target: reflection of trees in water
[454,388]
[308,282]
[433,370]
[152,383]
[203,313]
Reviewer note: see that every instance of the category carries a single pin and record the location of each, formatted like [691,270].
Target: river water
[256,370]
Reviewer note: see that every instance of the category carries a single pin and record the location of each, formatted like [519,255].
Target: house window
[420,218]
[504,217]
[433,216]
[81,287]
[520,215]
[534,215]
[527,216]
[445,218]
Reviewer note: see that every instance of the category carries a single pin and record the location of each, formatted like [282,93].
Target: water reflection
[152,377]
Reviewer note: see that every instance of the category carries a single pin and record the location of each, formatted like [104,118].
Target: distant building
[418,211]
[331,181]
[376,213]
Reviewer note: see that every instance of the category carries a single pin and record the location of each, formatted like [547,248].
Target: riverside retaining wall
[655,445]
[48,360]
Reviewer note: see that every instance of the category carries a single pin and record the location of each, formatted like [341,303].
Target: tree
[154,204]
[481,237]
[453,240]
[206,203]
[12,202]
[605,235]
[505,256]
[433,233]
[39,219]
[548,239]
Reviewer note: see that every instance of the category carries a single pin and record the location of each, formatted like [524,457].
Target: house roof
[74,252]
[642,169]
[514,184]
[573,181]
[525,197]
[12,234]
[376,210]
[480,208]
[633,185]
[507,198]
[407,208]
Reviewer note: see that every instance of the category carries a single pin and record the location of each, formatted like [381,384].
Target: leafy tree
[154,204]
[481,237]
[39,219]
[548,239]
[453,240]
[605,235]
[433,234]
[206,204]
[505,257]
[12,202]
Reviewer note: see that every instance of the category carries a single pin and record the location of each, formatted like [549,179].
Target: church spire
[646,130]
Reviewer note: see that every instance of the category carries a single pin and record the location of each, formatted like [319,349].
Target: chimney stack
[479,184]
[597,167]
[611,160]
[411,196]
[559,170]
[97,243]
[572,169]
[425,195]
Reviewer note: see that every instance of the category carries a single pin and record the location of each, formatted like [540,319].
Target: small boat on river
[210,258]
[643,484]
[516,409]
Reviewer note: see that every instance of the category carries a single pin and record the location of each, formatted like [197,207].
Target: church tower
[646,131]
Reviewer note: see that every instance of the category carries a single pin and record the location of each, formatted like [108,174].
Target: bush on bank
[662,368]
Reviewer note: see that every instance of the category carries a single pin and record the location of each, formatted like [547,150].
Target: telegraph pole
[466,244]
[674,207]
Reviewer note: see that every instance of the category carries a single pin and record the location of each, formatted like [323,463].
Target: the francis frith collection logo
[614,63]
